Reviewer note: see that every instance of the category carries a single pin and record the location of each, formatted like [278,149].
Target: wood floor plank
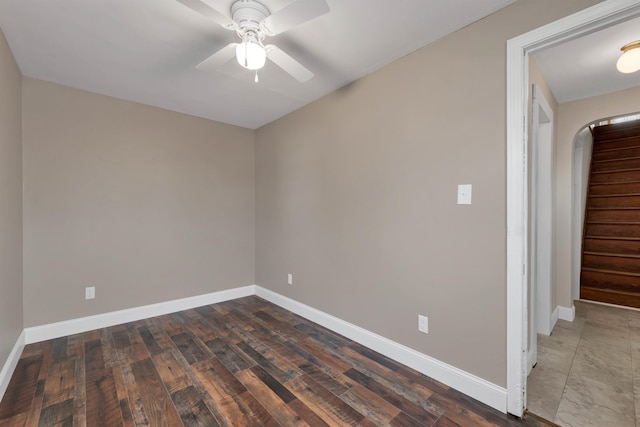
[241,363]
[189,348]
[60,383]
[279,409]
[327,405]
[103,406]
[229,355]
[370,404]
[397,400]
[153,405]
[192,409]
[237,405]
[22,387]
[59,415]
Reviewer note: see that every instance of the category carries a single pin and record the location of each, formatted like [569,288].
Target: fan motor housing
[248,14]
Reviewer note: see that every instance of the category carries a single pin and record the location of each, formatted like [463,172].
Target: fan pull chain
[256,79]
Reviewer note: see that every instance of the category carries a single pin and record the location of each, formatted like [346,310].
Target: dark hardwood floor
[245,362]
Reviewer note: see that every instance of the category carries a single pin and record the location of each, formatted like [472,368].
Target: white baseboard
[567,313]
[469,384]
[104,320]
[10,364]
[554,318]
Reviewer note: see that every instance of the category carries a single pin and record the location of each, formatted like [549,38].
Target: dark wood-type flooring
[245,362]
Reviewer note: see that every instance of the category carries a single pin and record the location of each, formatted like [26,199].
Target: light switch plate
[464,194]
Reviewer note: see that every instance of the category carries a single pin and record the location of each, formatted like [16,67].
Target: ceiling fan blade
[203,8]
[217,59]
[294,14]
[288,64]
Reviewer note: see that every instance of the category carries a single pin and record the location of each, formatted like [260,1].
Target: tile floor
[588,371]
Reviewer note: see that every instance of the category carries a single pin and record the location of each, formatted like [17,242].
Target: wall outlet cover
[423,324]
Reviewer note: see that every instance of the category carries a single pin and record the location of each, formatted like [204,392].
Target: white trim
[10,364]
[104,320]
[598,16]
[469,384]
[554,319]
[567,313]
[541,210]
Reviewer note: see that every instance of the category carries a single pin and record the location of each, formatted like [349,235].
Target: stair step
[620,176]
[613,143]
[610,254]
[612,244]
[616,131]
[630,299]
[619,201]
[600,278]
[614,188]
[611,262]
[615,272]
[616,165]
[616,160]
[614,229]
[613,214]
[616,153]
[615,195]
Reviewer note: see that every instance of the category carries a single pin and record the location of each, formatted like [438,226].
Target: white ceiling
[586,66]
[146,50]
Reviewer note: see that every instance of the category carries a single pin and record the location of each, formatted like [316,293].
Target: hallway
[588,371]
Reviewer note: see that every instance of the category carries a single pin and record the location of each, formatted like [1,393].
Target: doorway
[596,17]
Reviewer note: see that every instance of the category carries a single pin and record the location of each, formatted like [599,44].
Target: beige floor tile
[544,390]
[602,336]
[605,365]
[590,403]
[558,360]
[601,352]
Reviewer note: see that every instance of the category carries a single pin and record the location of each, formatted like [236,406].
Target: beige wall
[10,201]
[573,117]
[356,195]
[145,204]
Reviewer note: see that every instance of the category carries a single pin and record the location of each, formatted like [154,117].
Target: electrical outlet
[290,279]
[423,324]
[90,292]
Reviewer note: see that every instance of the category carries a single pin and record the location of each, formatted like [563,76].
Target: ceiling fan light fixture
[251,55]
[629,62]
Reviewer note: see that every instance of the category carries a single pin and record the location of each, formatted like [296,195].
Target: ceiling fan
[253,22]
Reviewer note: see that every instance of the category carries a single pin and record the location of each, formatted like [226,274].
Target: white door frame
[541,222]
[596,17]
[542,191]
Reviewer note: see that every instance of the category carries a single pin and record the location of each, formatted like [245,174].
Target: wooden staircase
[611,240]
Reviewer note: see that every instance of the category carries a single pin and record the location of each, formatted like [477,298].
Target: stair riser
[615,165]
[627,247]
[602,154]
[620,130]
[615,176]
[622,188]
[629,265]
[614,202]
[613,215]
[608,144]
[597,280]
[610,298]
[617,230]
